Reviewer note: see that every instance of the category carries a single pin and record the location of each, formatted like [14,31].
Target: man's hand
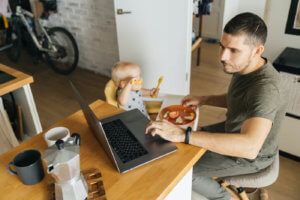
[192,101]
[166,130]
[212,100]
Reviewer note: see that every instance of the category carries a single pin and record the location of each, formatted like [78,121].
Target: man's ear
[122,84]
[259,50]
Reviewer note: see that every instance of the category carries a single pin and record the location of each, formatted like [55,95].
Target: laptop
[123,137]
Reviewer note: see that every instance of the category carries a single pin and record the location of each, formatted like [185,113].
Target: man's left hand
[166,130]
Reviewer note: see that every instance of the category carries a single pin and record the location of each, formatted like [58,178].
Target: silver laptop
[123,137]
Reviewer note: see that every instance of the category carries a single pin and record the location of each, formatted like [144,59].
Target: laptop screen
[94,123]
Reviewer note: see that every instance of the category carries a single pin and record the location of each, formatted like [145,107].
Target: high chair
[110,91]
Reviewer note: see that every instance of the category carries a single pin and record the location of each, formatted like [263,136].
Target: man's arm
[246,144]
[212,100]
[216,100]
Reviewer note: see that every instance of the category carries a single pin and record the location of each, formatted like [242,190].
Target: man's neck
[253,66]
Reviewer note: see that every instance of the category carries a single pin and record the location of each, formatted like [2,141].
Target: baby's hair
[120,71]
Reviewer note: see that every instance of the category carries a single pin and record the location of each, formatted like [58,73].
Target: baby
[127,76]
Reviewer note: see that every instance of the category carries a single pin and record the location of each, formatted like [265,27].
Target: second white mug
[57,133]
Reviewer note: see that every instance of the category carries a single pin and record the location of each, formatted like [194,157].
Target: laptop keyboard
[123,141]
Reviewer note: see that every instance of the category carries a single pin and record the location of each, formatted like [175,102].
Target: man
[247,141]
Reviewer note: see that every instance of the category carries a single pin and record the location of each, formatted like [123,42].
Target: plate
[182,112]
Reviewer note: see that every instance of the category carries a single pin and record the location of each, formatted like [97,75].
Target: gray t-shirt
[258,94]
[135,101]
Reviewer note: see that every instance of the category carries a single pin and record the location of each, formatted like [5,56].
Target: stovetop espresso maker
[64,165]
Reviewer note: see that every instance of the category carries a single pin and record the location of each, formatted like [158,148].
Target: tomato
[174,114]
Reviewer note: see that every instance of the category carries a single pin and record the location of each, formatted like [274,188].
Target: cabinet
[288,63]
[20,87]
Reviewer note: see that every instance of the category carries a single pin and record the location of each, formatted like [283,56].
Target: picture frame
[293,21]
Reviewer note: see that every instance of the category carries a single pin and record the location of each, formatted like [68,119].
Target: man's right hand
[192,101]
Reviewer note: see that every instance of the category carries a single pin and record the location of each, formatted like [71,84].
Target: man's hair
[121,70]
[251,25]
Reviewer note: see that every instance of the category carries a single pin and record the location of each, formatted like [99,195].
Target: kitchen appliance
[63,164]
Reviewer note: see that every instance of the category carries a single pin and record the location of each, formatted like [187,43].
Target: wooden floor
[55,101]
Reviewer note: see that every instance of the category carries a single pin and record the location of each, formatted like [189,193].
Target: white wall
[92,23]
[254,6]
[234,7]
[276,21]
[231,8]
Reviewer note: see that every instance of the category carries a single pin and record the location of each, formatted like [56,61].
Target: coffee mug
[28,166]
[57,133]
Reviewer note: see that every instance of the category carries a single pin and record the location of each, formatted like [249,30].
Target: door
[156,35]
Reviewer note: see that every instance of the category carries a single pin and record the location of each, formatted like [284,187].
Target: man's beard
[224,70]
[240,69]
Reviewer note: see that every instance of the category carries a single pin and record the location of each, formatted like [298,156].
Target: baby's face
[135,79]
[136,82]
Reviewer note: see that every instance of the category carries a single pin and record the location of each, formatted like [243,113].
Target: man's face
[235,55]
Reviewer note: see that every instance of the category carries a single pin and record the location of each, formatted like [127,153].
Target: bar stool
[261,179]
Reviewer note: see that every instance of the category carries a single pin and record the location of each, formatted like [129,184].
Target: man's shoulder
[267,87]
[268,77]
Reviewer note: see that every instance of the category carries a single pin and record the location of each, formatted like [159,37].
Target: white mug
[57,133]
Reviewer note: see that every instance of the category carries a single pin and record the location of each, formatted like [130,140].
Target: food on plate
[179,120]
[174,114]
[178,115]
[189,117]
[166,114]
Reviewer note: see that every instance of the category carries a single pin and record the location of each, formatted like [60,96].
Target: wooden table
[151,181]
[20,80]
[20,86]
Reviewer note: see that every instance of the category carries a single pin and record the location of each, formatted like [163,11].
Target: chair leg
[153,116]
[231,189]
[264,195]
[241,193]
[233,192]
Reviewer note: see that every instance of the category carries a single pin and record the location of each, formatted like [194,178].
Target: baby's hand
[132,81]
[154,91]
